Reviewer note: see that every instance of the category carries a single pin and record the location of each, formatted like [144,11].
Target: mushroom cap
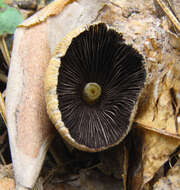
[94,54]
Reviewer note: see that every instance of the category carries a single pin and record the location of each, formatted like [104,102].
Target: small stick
[173,18]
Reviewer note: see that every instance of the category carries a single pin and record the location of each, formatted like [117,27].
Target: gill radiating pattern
[99,55]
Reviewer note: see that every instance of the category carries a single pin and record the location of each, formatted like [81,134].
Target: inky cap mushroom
[93,84]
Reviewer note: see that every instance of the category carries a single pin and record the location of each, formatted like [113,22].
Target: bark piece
[30,130]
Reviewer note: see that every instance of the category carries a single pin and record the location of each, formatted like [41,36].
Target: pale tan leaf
[159,108]
[156,151]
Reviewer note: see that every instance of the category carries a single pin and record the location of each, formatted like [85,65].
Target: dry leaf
[156,151]
[159,109]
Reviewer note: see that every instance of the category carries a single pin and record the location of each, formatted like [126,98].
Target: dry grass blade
[168,10]
[4,135]
[4,50]
[2,108]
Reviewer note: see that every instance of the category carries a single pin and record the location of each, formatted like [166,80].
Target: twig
[170,13]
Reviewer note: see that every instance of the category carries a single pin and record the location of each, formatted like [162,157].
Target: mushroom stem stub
[91,92]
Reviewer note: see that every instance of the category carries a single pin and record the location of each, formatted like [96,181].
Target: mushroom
[92,87]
